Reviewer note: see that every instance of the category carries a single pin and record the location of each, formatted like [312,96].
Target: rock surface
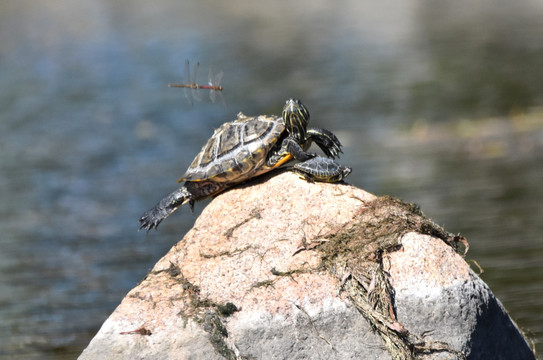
[285,269]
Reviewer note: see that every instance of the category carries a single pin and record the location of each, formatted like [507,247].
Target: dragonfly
[191,88]
[140,331]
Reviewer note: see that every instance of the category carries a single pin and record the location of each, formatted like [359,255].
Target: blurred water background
[439,103]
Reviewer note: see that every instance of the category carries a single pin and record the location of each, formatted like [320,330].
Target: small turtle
[321,169]
[247,147]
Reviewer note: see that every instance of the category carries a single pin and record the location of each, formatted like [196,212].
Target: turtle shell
[237,150]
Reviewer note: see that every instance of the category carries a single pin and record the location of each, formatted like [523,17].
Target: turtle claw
[331,152]
[149,221]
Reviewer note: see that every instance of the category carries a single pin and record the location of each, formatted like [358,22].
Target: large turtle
[247,147]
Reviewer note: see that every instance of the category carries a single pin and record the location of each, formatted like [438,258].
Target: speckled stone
[244,250]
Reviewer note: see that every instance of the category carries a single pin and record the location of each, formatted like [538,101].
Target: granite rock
[270,271]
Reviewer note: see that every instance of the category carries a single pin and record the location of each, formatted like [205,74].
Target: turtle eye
[296,118]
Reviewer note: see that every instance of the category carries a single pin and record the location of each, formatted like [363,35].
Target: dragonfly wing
[215,82]
[188,95]
[195,93]
[218,79]
[186,77]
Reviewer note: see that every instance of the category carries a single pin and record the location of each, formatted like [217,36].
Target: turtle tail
[152,217]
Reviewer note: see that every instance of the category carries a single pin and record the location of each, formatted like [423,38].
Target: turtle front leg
[289,146]
[153,217]
[326,140]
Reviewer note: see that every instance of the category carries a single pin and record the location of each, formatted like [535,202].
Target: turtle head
[345,172]
[296,119]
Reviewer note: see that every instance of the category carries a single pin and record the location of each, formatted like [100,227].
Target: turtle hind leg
[153,217]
